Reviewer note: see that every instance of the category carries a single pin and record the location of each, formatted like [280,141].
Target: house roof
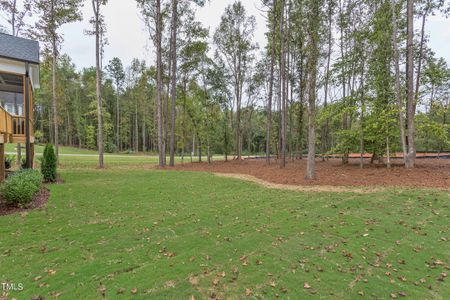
[20,49]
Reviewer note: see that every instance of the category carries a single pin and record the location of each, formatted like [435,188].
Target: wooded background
[335,77]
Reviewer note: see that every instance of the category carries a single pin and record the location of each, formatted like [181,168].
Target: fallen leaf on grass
[55,294]
[37,278]
[394,296]
[120,291]
[442,276]
[191,298]
[306,286]
[193,280]
[312,291]
[51,272]
[216,281]
[248,292]
[134,291]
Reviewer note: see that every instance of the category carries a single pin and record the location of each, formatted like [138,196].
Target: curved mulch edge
[39,201]
[304,188]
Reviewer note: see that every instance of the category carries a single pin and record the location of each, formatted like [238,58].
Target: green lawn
[76,158]
[40,149]
[169,235]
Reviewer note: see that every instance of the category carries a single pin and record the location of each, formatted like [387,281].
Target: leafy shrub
[38,136]
[48,164]
[110,147]
[20,188]
[9,160]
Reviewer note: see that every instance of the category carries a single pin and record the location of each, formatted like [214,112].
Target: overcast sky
[127,35]
[128,38]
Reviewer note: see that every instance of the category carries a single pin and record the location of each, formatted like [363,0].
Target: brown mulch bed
[39,201]
[428,173]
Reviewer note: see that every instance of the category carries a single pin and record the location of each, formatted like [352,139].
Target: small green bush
[48,164]
[20,188]
[110,147]
[9,160]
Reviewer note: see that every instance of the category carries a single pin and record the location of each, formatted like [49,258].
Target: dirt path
[300,188]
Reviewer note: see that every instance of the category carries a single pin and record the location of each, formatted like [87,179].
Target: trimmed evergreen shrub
[48,164]
[20,188]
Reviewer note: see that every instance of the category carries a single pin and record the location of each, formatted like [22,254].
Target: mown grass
[76,158]
[171,235]
[38,148]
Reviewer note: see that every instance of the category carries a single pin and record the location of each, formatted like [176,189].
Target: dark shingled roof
[20,49]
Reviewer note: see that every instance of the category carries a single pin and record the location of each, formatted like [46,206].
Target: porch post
[2,158]
[29,163]
[32,153]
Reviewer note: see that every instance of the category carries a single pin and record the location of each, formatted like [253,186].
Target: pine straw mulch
[331,174]
[39,201]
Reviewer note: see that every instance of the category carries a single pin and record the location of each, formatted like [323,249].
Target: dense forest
[336,77]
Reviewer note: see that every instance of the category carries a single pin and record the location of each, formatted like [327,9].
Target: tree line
[335,77]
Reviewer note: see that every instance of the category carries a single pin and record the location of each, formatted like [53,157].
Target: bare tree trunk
[96,7]
[419,59]
[327,79]
[161,144]
[13,18]
[283,90]
[183,121]
[279,96]
[238,124]
[312,69]
[118,119]
[269,102]
[410,158]
[361,137]
[199,150]
[301,108]
[174,80]
[144,140]
[343,57]
[136,127]
[54,108]
[388,152]
[397,80]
